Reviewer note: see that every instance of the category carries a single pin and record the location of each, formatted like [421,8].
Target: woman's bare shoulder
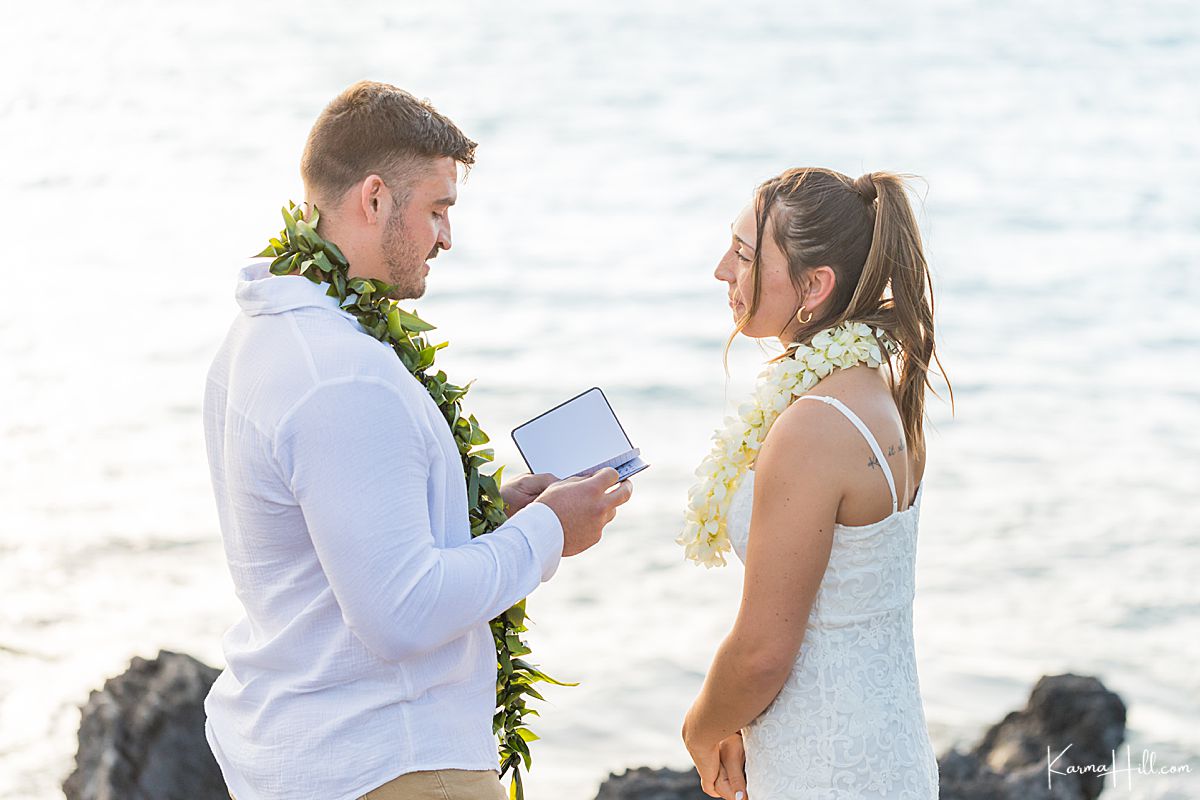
[802,433]
[868,395]
[811,426]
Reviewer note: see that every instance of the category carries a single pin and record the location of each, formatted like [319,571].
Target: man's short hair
[376,128]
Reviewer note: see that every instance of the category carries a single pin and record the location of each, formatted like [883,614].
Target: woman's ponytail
[896,259]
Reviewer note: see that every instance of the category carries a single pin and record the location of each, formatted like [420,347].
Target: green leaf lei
[298,249]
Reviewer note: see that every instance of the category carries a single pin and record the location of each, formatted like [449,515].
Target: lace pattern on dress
[849,721]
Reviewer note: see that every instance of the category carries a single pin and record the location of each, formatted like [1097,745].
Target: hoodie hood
[259,292]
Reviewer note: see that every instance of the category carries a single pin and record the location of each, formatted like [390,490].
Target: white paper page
[573,437]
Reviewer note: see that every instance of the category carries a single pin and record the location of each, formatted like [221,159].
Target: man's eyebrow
[445,201]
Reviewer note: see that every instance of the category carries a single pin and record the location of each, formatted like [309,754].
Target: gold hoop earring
[800,316]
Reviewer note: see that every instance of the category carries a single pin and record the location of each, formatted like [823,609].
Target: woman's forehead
[744,225]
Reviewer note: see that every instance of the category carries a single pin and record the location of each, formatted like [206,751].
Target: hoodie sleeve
[358,463]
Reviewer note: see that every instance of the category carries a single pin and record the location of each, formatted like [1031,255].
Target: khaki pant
[440,784]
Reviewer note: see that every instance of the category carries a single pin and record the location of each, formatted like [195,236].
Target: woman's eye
[741,257]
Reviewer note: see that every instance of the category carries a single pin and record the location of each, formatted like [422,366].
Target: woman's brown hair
[866,232]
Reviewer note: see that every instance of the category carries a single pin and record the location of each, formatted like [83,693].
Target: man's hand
[523,490]
[585,505]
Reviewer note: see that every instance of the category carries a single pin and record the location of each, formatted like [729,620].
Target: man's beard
[405,266]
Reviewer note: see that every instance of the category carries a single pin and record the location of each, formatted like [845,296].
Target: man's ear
[374,199]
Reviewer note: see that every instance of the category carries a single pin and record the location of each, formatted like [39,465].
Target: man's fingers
[574,479]
[605,477]
[620,495]
[541,481]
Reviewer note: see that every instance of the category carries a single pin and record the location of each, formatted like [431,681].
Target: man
[364,665]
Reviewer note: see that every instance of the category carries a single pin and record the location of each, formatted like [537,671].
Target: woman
[814,693]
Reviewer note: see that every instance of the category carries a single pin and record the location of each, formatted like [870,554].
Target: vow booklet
[578,437]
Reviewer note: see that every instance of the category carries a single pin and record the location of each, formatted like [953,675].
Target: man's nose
[443,239]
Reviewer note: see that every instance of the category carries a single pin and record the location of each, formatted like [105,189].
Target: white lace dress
[849,721]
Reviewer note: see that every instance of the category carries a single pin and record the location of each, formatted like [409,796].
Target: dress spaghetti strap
[866,432]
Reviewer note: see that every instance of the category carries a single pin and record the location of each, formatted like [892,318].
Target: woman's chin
[749,330]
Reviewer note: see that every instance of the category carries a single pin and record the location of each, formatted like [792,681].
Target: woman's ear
[822,281]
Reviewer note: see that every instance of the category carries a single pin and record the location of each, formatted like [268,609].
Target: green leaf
[384,288]
[289,221]
[516,615]
[361,286]
[411,322]
[395,325]
[537,673]
[473,489]
[518,744]
[477,434]
[322,261]
[336,254]
[488,484]
[281,265]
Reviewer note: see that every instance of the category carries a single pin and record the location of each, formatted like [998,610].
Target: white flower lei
[704,536]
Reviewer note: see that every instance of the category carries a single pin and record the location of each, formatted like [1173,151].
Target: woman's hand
[731,781]
[523,490]
[708,763]
[721,765]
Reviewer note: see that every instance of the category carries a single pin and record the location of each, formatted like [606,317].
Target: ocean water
[148,147]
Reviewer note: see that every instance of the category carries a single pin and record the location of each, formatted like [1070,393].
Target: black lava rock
[142,735]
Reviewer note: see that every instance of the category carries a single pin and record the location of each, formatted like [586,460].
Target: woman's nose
[724,270]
